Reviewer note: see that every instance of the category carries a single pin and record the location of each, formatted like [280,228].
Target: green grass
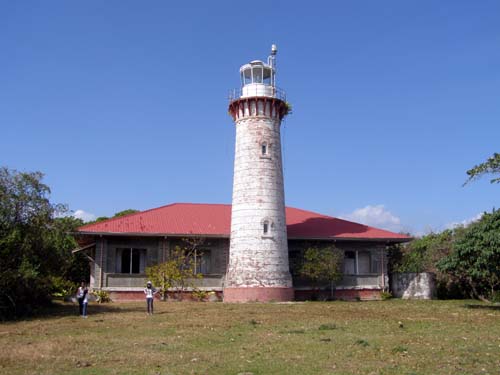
[435,337]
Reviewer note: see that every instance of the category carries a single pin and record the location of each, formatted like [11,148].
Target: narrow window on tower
[267,228]
[264,149]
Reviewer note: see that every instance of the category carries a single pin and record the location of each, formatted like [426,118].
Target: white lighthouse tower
[258,267]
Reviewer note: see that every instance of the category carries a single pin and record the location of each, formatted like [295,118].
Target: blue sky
[124,104]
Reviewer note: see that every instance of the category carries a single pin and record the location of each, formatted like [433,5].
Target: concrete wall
[413,285]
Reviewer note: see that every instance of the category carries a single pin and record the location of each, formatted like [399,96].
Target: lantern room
[259,78]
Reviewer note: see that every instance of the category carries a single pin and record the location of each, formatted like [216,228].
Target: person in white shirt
[150,292]
[82,297]
[79,297]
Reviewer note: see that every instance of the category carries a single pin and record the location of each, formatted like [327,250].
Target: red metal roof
[215,220]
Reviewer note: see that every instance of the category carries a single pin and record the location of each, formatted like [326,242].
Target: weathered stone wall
[257,259]
[413,285]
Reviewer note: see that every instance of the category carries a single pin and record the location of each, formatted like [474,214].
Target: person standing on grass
[150,292]
[85,301]
[79,297]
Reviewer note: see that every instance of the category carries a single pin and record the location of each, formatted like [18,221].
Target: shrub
[102,296]
[322,264]
[179,271]
[475,259]
[495,296]
[62,287]
[200,295]
[385,295]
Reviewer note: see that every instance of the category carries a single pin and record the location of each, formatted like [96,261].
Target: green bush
[62,287]
[495,296]
[385,295]
[200,295]
[475,259]
[102,296]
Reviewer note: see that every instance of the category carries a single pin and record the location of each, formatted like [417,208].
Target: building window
[364,262]
[350,263]
[359,263]
[202,262]
[130,260]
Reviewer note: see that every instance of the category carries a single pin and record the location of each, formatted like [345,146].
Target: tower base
[258,294]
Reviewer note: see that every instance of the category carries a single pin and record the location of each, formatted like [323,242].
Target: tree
[71,267]
[179,271]
[118,214]
[125,212]
[475,258]
[322,264]
[422,255]
[35,244]
[490,166]
[26,257]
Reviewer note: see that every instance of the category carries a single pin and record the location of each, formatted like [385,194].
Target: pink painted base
[258,294]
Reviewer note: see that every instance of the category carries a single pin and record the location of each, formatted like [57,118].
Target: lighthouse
[258,268]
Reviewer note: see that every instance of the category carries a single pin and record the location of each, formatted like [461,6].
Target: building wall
[113,279]
[159,248]
[376,278]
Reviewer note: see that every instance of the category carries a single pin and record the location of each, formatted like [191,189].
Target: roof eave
[386,239]
[183,235]
[139,234]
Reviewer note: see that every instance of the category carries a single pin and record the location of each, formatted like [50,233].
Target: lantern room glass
[257,74]
[267,76]
[247,76]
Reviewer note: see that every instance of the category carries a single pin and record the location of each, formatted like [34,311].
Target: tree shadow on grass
[481,306]
[59,310]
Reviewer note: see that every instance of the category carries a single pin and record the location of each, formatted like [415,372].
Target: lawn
[384,337]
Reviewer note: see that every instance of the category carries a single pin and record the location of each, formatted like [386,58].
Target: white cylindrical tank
[258,267]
